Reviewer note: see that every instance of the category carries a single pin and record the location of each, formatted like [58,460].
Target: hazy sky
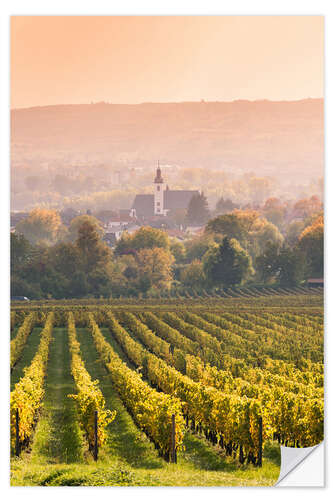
[63,60]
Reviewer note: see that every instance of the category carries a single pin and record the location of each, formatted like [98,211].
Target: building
[163,201]
[315,282]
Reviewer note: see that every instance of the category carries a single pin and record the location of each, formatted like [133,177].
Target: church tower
[159,192]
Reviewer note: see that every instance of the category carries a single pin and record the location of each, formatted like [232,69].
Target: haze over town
[250,113]
[177,132]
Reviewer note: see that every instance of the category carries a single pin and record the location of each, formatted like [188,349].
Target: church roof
[177,200]
[144,205]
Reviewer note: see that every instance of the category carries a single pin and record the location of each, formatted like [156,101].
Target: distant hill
[275,138]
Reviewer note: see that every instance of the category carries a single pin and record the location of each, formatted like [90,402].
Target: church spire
[158,178]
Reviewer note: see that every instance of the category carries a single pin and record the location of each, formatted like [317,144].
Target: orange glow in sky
[130,59]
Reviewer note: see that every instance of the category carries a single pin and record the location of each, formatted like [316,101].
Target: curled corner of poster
[302,467]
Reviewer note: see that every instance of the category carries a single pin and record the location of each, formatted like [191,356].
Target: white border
[142,7]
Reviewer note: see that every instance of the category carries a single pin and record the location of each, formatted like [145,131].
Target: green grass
[122,431]
[58,438]
[111,473]
[128,458]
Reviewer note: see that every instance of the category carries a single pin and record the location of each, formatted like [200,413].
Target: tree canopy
[78,221]
[227,264]
[248,227]
[41,225]
[50,261]
[145,237]
[198,211]
[311,243]
[224,206]
[193,276]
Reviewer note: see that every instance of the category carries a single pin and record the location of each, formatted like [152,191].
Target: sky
[134,59]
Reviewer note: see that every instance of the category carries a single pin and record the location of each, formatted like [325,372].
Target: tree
[229,225]
[308,206]
[20,286]
[281,264]
[262,233]
[65,258]
[41,225]
[198,246]
[20,251]
[293,232]
[290,266]
[178,216]
[259,188]
[178,251]
[145,237]
[155,268]
[274,211]
[267,263]
[224,206]
[311,243]
[54,284]
[248,227]
[198,211]
[193,275]
[79,284]
[227,263]
[94,252]
[78,221]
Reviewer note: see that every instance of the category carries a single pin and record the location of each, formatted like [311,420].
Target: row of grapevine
[259,324]
[285,323]
[18,342]
[89,397]
[28,392]
[202,372]
[281,345]
[200,336]
[234,419]
[307,335]
[169,334]
[278,366]
[276,373]
[296,321]
[232,342]
[151,410]
[249,351]
[13,319]
[271,397]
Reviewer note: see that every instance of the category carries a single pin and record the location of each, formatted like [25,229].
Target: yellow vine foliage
[89,397]
[29,391]
[18,343]
[151,410]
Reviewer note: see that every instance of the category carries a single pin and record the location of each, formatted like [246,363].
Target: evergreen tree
[224,206]
[198,211]
[227,263]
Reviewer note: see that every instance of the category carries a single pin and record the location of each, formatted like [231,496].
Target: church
[163,201]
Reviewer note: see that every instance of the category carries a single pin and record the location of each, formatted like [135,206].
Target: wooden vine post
[260,443]
[96,436]
[173,440]
[17,433]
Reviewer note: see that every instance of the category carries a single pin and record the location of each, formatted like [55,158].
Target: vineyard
[170,391]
